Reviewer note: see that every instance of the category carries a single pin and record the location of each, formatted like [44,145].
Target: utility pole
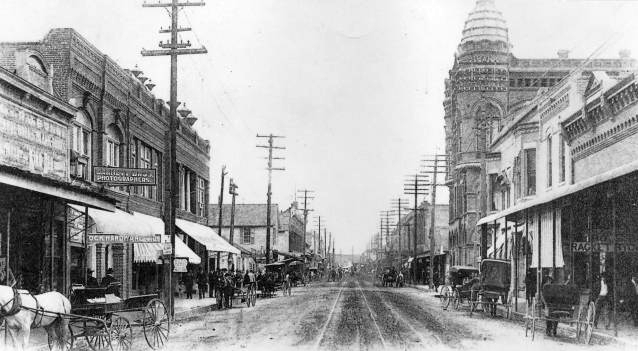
[305,214]
[221,205]
[432,168]
[385,226]
[318,249]
[399,203]
[329,250]
[270,168]
[415,184]
[232,190]
[334,259]
[172,49]
[325,243]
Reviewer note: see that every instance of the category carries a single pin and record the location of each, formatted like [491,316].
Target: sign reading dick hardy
[125,176]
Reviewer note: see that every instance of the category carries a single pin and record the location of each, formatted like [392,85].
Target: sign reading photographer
[125,176]
[123,238]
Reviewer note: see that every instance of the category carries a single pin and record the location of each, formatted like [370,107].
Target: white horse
[22,311]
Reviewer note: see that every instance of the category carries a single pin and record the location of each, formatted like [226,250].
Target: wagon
[492,288]
[105,322]
[245,293]
[562,304]
[458,286]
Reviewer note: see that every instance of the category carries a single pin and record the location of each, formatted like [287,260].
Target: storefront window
[201,196]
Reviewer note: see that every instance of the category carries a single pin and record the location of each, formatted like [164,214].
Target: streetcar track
[325,326]
[398,316]
[374,320]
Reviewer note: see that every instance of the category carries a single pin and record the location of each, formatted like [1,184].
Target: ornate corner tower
[476,95]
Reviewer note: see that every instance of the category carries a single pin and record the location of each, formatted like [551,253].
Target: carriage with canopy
[493,288]
[458,286]
[562,304]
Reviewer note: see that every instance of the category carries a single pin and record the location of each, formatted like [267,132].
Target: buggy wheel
[98,336]
[156,325]
[456,300]
[63,345]
[121,334]
[589,327]
[445,298]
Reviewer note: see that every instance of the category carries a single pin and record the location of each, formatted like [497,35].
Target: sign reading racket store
[122,238]
[125,176]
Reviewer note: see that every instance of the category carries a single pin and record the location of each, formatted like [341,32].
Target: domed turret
[484,23]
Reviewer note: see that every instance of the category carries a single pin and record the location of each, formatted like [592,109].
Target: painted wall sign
[122,238]
[125,176]
[584,246]
[32,142]
[179,265]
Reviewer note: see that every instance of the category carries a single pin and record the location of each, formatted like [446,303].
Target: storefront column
[554,240]
[526,240]
[612,190]
[99,257]
[539,265]
[515,249]
[494,239]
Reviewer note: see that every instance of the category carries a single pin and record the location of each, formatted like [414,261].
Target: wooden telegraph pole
[435,165]
[232,190]
[172,49]
[221,205]
[270,168]
[305,214]
[399,203]
[415,184]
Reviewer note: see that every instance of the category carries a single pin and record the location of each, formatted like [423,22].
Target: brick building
[486,86]
[119,123]
[291,229]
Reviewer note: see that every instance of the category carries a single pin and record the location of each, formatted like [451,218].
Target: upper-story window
[248,236]
[113,142]
[144,156]
[201,196]
[35,63]
[81,146]
[550,166]
[530,171]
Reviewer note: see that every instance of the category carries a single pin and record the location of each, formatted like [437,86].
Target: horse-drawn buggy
[235,289]
[389,276]
[105,321]
[458,288]
[493,288]
[564,304]
[96,316]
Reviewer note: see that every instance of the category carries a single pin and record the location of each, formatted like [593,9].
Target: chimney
[563,54]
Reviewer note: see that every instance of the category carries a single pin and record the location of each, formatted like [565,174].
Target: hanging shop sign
[125,176]
[583,246]
[167,249]
[179,265]
[123,238]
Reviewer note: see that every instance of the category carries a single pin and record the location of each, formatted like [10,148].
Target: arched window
[113,142]
[81,145]
[35,62]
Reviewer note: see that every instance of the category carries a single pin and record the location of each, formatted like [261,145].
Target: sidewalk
[627,334]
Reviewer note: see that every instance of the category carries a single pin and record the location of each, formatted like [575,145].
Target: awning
[563,191]
[57,191]
[206,236]
[150,252]
[123,223]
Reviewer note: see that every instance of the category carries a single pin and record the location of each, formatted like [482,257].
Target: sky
[356,86]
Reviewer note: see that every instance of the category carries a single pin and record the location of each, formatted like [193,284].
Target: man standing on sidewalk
[201,283]
[604,300]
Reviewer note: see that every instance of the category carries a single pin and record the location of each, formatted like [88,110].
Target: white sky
[355,85]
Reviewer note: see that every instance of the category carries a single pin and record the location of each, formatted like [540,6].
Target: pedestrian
[202,281]
[550,326]
[91,282]
[603,301]
[530,286]
[632,298]
[229,289]
[188,283]
[211,283]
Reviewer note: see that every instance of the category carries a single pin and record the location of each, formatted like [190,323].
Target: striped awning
[150,252]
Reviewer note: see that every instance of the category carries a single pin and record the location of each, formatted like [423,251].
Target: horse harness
[17,306]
